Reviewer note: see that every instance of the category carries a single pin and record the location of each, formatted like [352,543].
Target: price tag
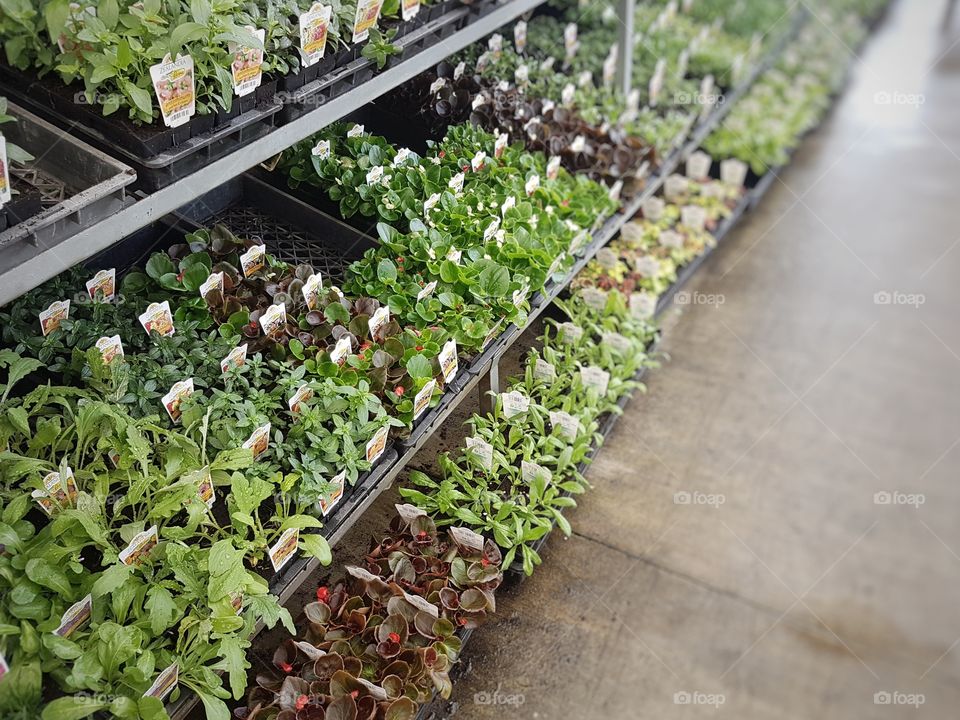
[253,260]
[328,502]
[110,348]
[514,403]
[247,66]
[594,378]
[175,87]
[140,546]
[274,320]
[481,452]
[259,441]
[284,549]
[173,399]
[314,25]
[449,362]
[368,12]
[103,286]
[422,399]
[51,318]
[377,444]
[235,358]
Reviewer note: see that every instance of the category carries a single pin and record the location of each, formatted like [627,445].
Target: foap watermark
[895,297]
[685,297]
[895,497]
[887,697]
[485,697]
[698,98]
[684,697]
[698,498]
[886,97]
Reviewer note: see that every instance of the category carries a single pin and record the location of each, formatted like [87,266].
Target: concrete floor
[793,402]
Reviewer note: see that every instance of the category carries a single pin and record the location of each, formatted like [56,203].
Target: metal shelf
[24,266]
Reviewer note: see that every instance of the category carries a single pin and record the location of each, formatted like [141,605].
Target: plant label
[403,154]
[437,85]
[478,160]
[656,82]
[375,176]
[259,441]
[547,65]
[247,66]
[59,491]
[368,12]
[495,44]
[165,683]
[114,457]
[594,378]
[579,241]
[328,501]
[301,395]
[491,229]
[520,36]
[707,97]
[157,318]
[733,172]
[514,403]
[51,318]
[555,265]
[409,9]
[322,149]
[567,424]
[253,260]
[110,348]
[579,144]
[214,283]
[698,165]
[454,255]
[6,191]
[633,100]
[614,192]
[449,361]
[355,131]
[102,287]
[617,342]
[520,295]
[4,667]
[378,444]
[567,94]
[585,79]
[670,239]
[647,266]
[284,549]
[653,208]
[481,452]
[609,69]
[311,291]
[314,24]
[594,298]
[542,370]
[459,70]
[693,217]
[379,318]
[482,62]
[521,75]
[74,617]
[427,290]
[173,399]
[422,399]
[205,490]
[530,472]
[553,167]
[341,350]
[607,258]
[431,202]
[510,202]
[140,546]
[235,358]
[456,183]
[570,43]
[675,187]
[532,184]
[273,321]
[570,333]
[175,86]
[470,541]
[546,106]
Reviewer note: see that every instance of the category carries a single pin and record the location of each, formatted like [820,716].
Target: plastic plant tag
[427,290]
[314,26]
[567,94]
[459,70]
[531,471]
[74,617]
[520,36]
[614,192]
[675,187]
[607,258]
[247,66]
[647,266]
[6,191]
[102,287]
[532,185]
[555,265]
[175,86]
[274,320]
[620,344]
[51,318]
[110,348]
[569,425]
[698,165]
[157,318]
[594,378]
[491,229]
[340,350]
[495,44]
[284,549]
[259,441]
[643,305]
[449,361]
[400,157]
[140,546]
[542,370]
[653,208]
[322,149]
[375,175]
[520,295]
[483,61]
[409,9]
[585,79]
[733,172]
[521,76]
[467,539]
[570,43]
[172,400]
[368,12]
[378,444]
[594,298]
[693,217]
[553,167]
[431,202]
[481,452]
[546,106]
[454,255]
[670,239]
[253,260]
[656,82]
[514,403]
[609,69]
[311,291]
[380,317]
[707,98]
[510,202]
[4,667]
[301,395]
[165,683]
[579,144]
[234,359]
[456,183]
[355,131]
[422,399]
[59,491]
[478,160]
[329,502]
[213,283]
[633,100]
[205,490]
[570,333]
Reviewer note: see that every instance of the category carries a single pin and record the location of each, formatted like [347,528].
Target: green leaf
[111,579]
[494,281]
[449,272]
[419,367]
[45,573]
[235,663]
[316,546]
[162,607]
[159,265]
[72,708]
[386,272]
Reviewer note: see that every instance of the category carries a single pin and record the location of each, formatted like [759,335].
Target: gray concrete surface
[794,402]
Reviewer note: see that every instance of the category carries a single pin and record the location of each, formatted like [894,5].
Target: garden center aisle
[773,527]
